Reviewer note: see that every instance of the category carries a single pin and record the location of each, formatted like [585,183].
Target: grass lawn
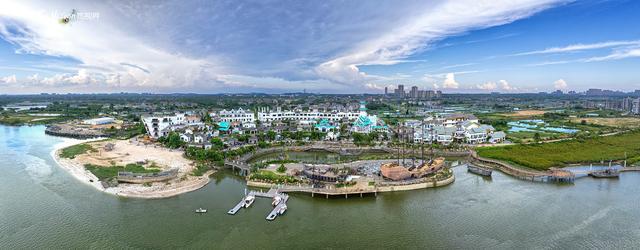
[72,151]
[104,172]
[558,154]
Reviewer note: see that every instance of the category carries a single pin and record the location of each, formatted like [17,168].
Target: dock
[272,193]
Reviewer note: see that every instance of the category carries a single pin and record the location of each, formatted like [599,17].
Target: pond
[538,125]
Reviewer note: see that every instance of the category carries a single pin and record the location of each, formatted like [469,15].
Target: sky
[197,46]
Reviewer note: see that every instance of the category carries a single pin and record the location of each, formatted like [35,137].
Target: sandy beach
[126,152]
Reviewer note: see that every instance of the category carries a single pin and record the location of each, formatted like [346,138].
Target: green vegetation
[362,139]
[557,154]
[271,177]
[282,169]
[19,118]
[72,151]
[126,132]
[172,140]
[110,172]
[346,184]
[200,170]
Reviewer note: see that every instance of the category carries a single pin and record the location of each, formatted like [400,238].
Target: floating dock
[272,193]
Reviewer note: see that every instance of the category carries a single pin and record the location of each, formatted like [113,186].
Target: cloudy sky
[321,46]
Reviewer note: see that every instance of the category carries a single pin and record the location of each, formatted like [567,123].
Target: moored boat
[607,173]
[276,201]
[479,170]
[282,209]
[249,200]
[201,210]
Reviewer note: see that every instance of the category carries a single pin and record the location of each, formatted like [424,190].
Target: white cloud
[450,82]
[501,84]
[8,79]
[438,22]
[487,86]
[560,84]
[103,47]
[617,55]
[505,85]
[580,47]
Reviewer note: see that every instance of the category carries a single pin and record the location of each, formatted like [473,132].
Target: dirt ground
[522,113]
[628,122]
[125,152]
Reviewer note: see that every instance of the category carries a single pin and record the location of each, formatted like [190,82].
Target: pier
[272,193]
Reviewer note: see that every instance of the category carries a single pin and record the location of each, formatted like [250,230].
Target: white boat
[201,210]
[276,201]
[282,209]
[249,200]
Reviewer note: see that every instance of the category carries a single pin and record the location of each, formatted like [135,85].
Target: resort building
[467,131]
[368,123]
[158,126]
[325,126]
[237,116]
[300,115]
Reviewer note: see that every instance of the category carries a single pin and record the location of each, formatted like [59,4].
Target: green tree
[281,169]
[536,137]
[217,143]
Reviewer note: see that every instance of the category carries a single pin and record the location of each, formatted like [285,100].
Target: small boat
[282,209]
[201,210]
[607,173]
[276,201]
[249,200]
[479,170]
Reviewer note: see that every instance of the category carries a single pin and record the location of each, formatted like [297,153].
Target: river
[42,206]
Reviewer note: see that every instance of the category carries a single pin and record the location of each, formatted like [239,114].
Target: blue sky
[455,46]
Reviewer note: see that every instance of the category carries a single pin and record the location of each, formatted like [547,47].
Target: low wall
[55,131]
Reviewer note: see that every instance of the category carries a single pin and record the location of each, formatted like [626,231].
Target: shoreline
[124,190]
[78,172]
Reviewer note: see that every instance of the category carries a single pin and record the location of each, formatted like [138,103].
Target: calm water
[41,206]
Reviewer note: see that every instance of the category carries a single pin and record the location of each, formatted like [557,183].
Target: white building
[466,131]
[299,115]
[237,116]
[158,126]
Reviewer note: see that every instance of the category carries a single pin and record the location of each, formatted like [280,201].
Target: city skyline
[329,47]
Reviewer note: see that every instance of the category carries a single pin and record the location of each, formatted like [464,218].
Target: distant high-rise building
[636,106]
[386,90]
[414,92]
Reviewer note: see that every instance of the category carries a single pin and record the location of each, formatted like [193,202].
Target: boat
[201,210]
[249,200]
[479,170]
[607,173]
[282,209]
[276,201]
